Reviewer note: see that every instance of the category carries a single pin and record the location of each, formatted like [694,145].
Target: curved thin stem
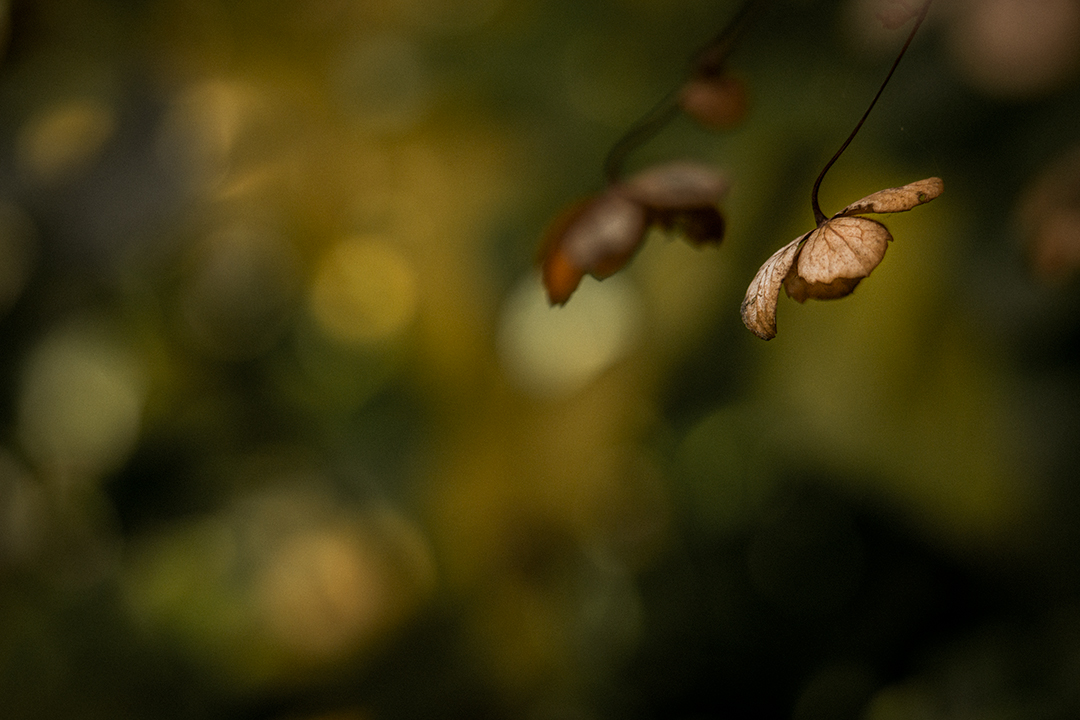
[706,61]
[710,58]
[819,216]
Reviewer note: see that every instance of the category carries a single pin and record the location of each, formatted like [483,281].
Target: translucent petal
[759,305]
[844,247]
[897,199]
[676,185]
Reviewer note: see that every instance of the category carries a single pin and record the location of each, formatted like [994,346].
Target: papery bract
[681,196]
[677,185]
[830,261]
[759,305]
[835,257]
[698,226]
[897,199]
[597,236]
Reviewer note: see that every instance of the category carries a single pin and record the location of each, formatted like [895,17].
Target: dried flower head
[829,261]
[599,235]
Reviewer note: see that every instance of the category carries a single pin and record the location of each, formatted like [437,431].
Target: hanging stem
[706,61]
[819,216]
[645,129]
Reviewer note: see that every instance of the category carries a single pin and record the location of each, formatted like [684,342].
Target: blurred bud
[1049,214]
[1018,48]
[717,102]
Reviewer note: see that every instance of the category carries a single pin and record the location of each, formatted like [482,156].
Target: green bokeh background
[287,429]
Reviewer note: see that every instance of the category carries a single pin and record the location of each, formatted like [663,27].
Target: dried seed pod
[831,260]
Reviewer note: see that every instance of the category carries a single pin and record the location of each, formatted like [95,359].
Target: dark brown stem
[707,61]
[645,129]
[819,216]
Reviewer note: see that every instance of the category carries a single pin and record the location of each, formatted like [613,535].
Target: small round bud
[718,102]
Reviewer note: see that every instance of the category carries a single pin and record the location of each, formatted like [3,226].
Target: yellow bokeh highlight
[64,140]
[203,127]
[322,591]
[281,583]
[80,402]
[364,291]
[553,351]
[18,252]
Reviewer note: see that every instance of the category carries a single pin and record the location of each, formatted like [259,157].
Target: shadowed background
[288,430]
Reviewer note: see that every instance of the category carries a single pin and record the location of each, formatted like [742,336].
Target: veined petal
[597,236]
[759,305]
[897,199]
[844,247]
